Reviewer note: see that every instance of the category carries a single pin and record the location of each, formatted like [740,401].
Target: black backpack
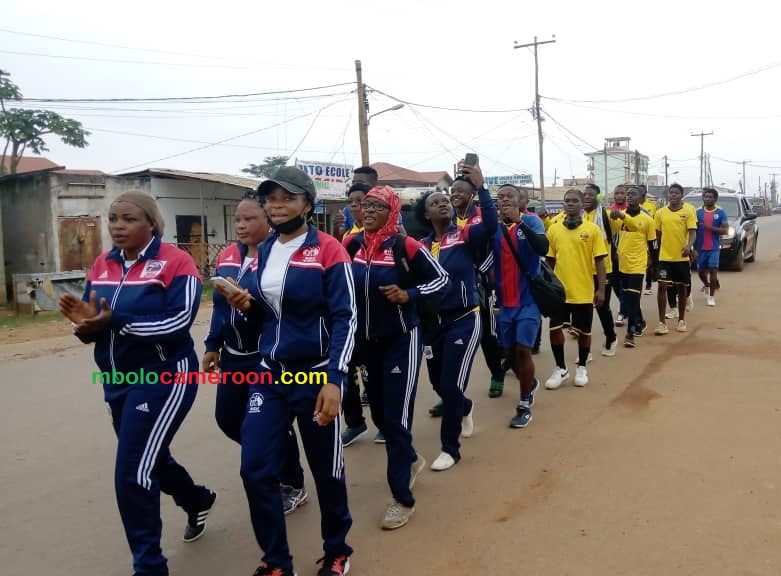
[427,307]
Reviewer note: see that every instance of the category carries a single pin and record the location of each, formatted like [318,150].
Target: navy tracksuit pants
[231,406]
[264,437]
[489,343]
[393,365]
[145,420]
[453,350]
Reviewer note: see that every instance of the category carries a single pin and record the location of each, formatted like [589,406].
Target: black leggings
[604,313]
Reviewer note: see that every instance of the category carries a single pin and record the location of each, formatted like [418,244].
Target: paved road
[666,464]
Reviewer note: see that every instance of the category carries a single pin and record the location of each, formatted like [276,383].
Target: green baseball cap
[291,179]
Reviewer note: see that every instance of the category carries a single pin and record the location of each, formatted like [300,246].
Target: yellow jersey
[434,249]
[650,206]
[354,230]
[633,236]
[551,220]
[674,227]
[591,217]
[575,252]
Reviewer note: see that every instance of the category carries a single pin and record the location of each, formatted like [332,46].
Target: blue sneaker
[350,435]
[535,385]
[523,416]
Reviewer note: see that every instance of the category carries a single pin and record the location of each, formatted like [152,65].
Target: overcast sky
[450,54]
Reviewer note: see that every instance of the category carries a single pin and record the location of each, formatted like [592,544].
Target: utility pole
[363,123]
[743,185]
[666,166]
[773,188]
[537,105]
[637,167]
[702,136]
[605,157]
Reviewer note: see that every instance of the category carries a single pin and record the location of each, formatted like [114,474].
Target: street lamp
[396,107]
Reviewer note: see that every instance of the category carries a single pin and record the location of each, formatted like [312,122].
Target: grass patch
[9,319]
[206,294]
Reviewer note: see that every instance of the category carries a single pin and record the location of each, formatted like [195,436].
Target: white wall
[183,198]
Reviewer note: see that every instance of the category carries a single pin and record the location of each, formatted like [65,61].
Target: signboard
[331,180]
[319,206]
[515,179]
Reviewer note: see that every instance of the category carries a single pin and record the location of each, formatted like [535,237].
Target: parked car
[776,210]
[739,245]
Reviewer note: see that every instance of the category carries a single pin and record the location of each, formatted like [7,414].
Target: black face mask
[572,223]
[290,226]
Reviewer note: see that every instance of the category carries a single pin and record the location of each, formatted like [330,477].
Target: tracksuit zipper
[113,304]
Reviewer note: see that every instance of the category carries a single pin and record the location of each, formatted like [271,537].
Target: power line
[142,62]
[407,102]
[560,125]
[186,98]
[673,116]
[250,133]
[675,92]
[259,103]
[151,50]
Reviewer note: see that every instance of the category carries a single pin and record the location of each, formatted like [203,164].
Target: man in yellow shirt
[676,227]
[636,239]
[651,207]
[594,212]
[577,249]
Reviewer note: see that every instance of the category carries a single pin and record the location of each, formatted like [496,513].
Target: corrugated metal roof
[239,181]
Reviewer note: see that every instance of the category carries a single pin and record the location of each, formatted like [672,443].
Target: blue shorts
[518,326]
[708,260]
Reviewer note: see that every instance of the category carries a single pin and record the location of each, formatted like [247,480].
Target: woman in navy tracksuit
[388,326]
[232,342]
[456,336]
[140,301]
[306,307]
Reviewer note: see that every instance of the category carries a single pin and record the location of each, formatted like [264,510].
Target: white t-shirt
[276,266]
[247,261]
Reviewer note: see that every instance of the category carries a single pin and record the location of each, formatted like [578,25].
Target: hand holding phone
[224,285]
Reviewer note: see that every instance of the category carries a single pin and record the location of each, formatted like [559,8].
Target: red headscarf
[386,195]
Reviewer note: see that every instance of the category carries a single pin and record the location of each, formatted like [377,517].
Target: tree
[24,129]
[270,165]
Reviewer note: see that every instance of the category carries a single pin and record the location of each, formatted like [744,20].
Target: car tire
[754,251]
[737,263]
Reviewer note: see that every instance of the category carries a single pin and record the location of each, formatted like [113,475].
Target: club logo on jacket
[152,268]
[103,275]
[311,253]
[255,402]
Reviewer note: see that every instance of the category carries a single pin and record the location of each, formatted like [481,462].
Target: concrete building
[617,164]
[55,220]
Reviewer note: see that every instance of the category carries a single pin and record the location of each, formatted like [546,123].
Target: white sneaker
[559,377]
[467,425]
[443,462]
[581,376]
[609,351]
[396,516]
[416,468]
[672,314]
[711,301]
[620,320]
[689,303]
[588,360]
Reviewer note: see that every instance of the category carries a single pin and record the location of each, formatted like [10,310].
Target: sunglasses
[376,206]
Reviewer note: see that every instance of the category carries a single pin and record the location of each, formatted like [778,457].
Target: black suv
[739,245]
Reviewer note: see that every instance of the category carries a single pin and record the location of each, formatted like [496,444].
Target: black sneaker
[351,434]
[629,341]
[293,498]
[333,565]
[535,385]
[436,410]
[265,570]
[523,416]
[196,521]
